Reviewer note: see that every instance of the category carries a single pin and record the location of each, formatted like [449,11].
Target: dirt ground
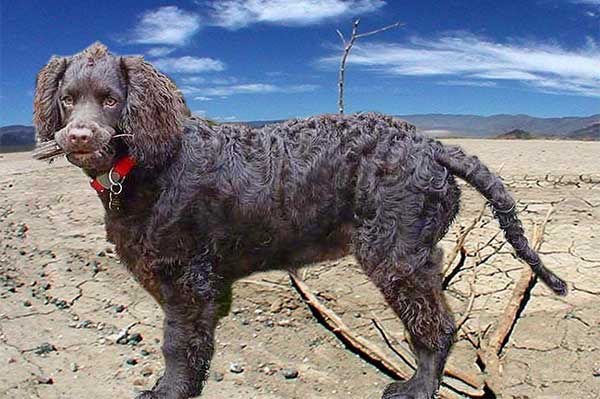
[74,324]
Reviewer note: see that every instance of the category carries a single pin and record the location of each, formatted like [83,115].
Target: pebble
[596,372]
[135,339]
[27,303]
[236,368]
[131,361]
[147,371]
[144,352]
[74,367]
[119,308]
[44,349]
[276,306]
[139,382]
[44,380]
[290,373]
[84,324]
[218,376]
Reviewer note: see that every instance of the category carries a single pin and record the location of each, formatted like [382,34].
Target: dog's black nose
[80,136]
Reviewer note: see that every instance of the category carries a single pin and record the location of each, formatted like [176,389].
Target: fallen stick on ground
[460,241]
[468,385]
[491,347]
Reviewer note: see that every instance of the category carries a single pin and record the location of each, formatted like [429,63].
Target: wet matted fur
[207,204]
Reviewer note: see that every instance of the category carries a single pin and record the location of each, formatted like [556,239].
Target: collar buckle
[113,181]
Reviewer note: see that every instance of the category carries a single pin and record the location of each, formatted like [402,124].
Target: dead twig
[460,242]
[347,47]
[47,151]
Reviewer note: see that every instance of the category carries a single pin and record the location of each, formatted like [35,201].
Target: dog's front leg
[189,304]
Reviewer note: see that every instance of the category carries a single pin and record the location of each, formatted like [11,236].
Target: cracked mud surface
[74,323]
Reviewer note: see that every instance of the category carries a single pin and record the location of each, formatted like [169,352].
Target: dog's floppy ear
[153,115]
[46,114]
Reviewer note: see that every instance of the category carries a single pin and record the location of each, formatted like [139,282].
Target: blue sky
[274,59]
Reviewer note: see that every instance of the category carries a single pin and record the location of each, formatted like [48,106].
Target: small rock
[119,308]
[135,339]
[84,324]
[147,371]
[596,372]
[236,368]
[74,367]
[21,230]
[290,373]
[139,382]
[44,380]
[276,306]
[44,349]
[144,352]
[131,361]
[101,254]
[284,323]
[27,303]
[218,376]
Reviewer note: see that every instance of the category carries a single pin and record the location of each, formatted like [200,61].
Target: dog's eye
[109,102]
[67,101]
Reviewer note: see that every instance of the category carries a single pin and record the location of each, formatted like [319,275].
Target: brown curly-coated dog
[191,207]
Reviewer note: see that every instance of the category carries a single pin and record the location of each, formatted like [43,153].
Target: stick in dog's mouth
[47,151]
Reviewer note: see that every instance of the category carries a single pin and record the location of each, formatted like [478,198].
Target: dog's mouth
[99,160]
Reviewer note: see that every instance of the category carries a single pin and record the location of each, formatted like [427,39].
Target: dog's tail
[474,172]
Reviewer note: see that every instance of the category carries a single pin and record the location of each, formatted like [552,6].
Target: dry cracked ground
[74,324]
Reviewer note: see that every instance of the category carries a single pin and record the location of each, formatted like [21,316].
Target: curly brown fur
[209,204]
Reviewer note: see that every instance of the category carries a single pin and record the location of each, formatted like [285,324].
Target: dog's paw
[148,395]
[406,390]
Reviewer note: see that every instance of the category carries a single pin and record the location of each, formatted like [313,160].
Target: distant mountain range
[16,138]
[441,125]
[484,126]
[490,126]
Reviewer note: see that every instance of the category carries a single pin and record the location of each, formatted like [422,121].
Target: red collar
[113,179]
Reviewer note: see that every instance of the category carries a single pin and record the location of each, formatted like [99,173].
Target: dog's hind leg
[397,249]
[189,302]
[415,295]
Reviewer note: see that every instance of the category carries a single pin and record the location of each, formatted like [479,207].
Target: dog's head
[97,106]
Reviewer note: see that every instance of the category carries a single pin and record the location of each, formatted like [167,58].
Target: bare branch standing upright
[347,47]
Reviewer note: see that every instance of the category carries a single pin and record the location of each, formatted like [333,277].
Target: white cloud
[236,14]
[590,2]
[483,83]
[188,64]
[205,93]
[159,51]
[540,67]
[168,25]
[226,118]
